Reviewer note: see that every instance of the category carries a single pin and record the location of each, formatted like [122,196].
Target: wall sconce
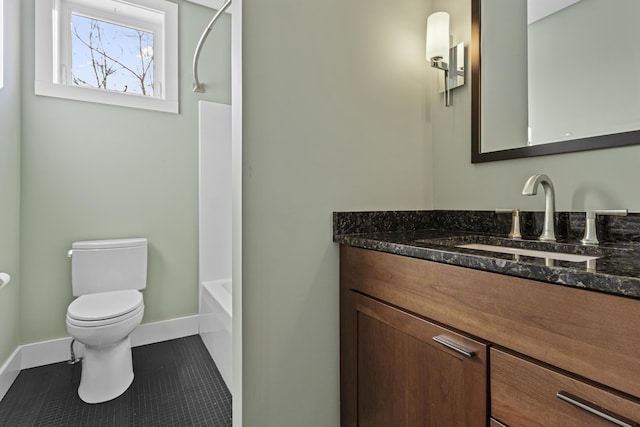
[450,60]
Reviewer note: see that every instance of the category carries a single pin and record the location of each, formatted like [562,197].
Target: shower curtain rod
[197,86]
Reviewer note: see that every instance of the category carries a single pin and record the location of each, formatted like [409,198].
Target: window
[108,51]
[110,56]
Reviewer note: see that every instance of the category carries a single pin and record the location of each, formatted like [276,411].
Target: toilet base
[107,372]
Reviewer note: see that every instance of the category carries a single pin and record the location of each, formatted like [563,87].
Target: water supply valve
[590,231]
[515,232]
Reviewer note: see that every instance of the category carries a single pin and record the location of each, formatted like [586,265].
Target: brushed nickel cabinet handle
[596,410]
[441,339]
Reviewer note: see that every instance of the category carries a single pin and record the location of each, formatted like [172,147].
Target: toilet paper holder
[4,279]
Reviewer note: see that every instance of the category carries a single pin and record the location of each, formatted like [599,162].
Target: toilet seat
[104,308]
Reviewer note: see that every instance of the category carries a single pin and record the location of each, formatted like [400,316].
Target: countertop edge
[619,285]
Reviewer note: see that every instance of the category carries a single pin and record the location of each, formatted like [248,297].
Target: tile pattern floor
[176,384]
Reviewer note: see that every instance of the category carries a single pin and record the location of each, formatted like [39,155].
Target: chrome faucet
[531,189]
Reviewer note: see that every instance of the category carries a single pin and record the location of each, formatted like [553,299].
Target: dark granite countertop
[424,235]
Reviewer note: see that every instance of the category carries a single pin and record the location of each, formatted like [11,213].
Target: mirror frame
[477,156]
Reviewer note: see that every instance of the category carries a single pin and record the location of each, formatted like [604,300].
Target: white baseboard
[9,371]
[58,350]
[45,352]
[149,333]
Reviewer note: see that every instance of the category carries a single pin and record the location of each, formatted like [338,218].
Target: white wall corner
[10,370]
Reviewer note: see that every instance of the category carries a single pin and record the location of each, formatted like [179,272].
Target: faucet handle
[590,232]
[515,222]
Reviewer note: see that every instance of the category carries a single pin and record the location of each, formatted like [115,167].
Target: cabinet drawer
[524,393]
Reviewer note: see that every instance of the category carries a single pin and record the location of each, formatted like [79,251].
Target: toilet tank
[108,265]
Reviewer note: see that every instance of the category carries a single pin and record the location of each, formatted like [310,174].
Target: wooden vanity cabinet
[543,339]
[402,370]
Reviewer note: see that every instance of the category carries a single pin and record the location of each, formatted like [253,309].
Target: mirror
[549,81]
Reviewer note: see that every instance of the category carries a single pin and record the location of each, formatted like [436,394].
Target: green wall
[338,116]
[602,179]
[10,183]
[92,171]
[335,118]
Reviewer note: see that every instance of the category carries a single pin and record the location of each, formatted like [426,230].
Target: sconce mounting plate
[456,70]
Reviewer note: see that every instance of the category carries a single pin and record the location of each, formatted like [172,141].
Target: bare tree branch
[105,64]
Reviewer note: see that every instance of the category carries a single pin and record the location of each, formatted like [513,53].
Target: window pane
[110,56]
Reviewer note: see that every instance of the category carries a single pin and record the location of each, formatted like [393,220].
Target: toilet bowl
[103,323]
[107,277]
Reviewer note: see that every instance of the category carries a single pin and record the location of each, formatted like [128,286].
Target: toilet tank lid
[110,244]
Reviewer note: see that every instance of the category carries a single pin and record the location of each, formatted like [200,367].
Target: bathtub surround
[214,233]
[215,325]
[214,191]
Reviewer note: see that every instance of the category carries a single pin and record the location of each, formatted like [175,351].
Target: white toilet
[106,277]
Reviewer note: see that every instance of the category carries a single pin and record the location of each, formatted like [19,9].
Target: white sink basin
[559,256]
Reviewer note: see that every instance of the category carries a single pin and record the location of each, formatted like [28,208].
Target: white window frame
[53,45]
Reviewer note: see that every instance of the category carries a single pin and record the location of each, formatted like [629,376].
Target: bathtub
[215,324]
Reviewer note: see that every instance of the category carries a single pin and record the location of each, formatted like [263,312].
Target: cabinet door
[524,393]
[410,372]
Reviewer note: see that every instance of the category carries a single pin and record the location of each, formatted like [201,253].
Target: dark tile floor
[176,384]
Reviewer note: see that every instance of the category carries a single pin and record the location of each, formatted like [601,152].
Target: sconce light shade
[441,57]
[438,36]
